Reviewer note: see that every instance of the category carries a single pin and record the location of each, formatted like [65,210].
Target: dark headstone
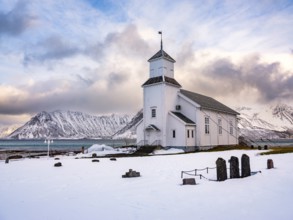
[245,166]
[131,173]
[234,167]
[189,181]
[270,164]
[221,169]
[7,160]
[59,164]
[259,147]
[266,147]
[82,149]
[113,159]
[94,155]
[95,160]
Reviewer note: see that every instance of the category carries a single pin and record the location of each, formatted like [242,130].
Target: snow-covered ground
[34,189]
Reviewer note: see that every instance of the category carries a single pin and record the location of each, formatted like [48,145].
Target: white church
[174,117]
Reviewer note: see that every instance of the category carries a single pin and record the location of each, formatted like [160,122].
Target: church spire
[160,32]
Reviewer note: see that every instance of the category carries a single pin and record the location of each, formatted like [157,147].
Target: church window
[154,113]
[220,126]
[192,133]
[187,133]
[207,125]
[173,133]
[231,127]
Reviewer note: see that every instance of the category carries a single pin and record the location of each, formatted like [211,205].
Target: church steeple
[160,32]
[161,53]
[161,64]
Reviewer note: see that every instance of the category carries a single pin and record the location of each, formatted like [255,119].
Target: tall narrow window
[187,133]
[192,133]
[173,133]
[154,113]
[220,126]
[207,125]
[231,127]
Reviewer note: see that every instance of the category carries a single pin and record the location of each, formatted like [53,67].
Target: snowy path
[34,189]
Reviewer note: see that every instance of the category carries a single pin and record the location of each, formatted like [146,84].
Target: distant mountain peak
[70,124]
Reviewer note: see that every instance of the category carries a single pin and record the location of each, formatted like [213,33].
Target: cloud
[52,48]
[222,77]
[16,21]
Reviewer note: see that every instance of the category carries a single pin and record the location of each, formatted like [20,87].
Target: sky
[91,56]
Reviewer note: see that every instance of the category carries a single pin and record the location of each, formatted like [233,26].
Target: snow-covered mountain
[70,124]
[254,123]
[271,122]
[129,131]
[6,130]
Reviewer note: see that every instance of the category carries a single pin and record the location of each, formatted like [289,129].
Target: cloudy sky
[91,56]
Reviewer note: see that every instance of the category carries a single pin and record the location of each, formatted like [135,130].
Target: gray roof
[162,53]
[183,118]
[208,103]
[159,79]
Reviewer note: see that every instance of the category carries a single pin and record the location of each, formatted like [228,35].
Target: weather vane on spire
[160,32]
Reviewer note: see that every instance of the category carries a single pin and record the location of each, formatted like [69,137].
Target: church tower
[159,97]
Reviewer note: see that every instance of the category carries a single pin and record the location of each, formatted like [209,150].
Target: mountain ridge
[69,124]
[270,122]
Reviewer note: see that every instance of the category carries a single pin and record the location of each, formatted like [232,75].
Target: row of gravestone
[234,168]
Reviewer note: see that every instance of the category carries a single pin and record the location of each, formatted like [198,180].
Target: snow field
[80,189]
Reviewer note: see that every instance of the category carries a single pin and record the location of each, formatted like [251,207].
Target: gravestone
[221,169]
[94,155]
[131,173]
[7,160]
[95,160]
[59,164]
[113,159]
[189,181]
[82,149]
[270,164]
[234,167]
[245,166]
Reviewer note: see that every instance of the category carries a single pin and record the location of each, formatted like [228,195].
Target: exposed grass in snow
[225,148]
[278,150]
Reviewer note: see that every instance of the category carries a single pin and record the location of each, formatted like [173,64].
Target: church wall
[169,103]
[139,133]
[214,138]
[153,96]
[179,128]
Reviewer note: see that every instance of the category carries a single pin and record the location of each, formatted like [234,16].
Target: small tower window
[154,113]
[192,133]
[187,133]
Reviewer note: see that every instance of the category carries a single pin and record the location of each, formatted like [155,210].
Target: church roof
[159,79]
[162,53]
[183,118]
[208,103]
[152,127]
